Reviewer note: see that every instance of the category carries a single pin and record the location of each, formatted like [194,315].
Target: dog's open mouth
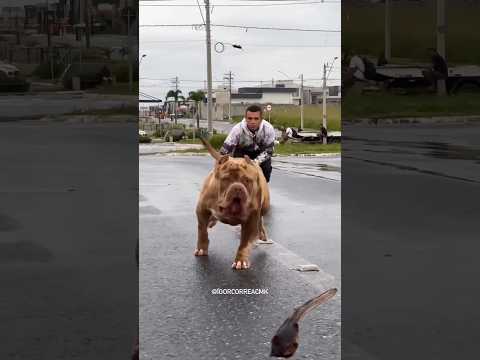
[235,208]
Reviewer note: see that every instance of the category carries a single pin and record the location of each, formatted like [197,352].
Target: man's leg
[267,169]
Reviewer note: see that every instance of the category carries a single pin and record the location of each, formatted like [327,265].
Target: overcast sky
[181,51]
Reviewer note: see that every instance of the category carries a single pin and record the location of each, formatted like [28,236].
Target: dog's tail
[216,155]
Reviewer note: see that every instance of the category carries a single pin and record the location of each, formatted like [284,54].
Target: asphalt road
[179,316]
[410,241]
[28,106]
[68,215]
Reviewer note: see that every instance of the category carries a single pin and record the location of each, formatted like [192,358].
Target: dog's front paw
[201,252]
[241,263]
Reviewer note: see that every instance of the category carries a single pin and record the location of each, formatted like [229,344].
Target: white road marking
[320,280]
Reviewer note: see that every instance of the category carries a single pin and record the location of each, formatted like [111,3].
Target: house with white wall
[265,95]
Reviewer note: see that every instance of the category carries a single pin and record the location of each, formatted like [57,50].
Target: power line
[169,41]
[201,12]
[240,1]
[221,81]
[244,5]
[271,1]
[149,97]
[246,27]
[275,28]
[246,46]
[269,45]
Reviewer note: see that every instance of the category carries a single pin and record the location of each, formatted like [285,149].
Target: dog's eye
[247,180]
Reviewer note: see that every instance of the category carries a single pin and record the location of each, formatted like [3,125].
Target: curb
[37,93]
[434,120]
[174,153]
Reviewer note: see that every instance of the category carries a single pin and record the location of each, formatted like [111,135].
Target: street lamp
[220,46]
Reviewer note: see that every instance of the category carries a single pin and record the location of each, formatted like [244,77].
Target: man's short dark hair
[254,108]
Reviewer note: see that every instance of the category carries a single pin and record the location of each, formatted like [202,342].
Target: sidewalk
[165,147]
[431,120]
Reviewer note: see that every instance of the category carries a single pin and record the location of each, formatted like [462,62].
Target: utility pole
[47,21]
[441,27]
[301,101]
[17,31]
[130,60]
[87,23]
[229,78]
[441,30]
[49,45]
[209,69]
[388,30]
[324,116]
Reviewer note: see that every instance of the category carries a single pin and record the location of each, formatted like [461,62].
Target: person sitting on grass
[254,137]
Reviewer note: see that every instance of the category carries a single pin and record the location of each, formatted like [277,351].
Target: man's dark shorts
[266,165]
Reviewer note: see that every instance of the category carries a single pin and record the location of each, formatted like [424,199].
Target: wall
[268,98]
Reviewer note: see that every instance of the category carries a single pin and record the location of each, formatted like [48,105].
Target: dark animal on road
[285,340]
[235,192]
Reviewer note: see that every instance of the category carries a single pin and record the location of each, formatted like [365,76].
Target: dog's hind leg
[261,230]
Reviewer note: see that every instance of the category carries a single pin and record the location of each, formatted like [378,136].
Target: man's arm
[268,144]
[231,141]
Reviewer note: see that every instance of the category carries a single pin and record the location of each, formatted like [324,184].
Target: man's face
[253,120]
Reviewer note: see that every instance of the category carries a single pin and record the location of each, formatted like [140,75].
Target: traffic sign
[269,107]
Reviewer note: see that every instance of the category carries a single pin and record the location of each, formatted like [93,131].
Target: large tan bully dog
[236,193]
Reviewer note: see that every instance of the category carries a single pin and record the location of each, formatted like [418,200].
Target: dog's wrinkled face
[238,186]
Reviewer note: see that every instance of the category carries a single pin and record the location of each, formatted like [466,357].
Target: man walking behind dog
[254,137]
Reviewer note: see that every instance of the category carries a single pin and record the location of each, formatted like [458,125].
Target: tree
[176,94]
[197,96]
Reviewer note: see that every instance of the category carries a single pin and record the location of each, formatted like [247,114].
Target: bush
[95,54]
[120,71]
[176,134]
[43,70]
[217,140]
[176,131]
[189,133]
[144,139]
[160,133]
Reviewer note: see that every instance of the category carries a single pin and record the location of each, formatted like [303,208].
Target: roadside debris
[306,267]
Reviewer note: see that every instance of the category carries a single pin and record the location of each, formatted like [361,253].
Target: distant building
[150,108]
[314,95]
[265,95]
[282,92]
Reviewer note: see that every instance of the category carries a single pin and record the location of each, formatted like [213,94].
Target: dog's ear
[248,160]
[223,159]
